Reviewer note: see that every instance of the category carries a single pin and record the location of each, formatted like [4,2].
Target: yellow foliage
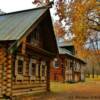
[80,25]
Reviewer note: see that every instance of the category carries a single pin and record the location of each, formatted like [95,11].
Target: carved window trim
[19,76]
[33,61]
[43,77]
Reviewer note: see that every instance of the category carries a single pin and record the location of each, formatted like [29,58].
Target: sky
[15,5]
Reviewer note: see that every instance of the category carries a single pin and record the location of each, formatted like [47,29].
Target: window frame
[43,77]
[33,61]
[20,76]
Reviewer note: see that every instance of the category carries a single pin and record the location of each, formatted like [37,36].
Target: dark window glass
[43,70]
[20,67]
[34,35]
[71,64]
[33,69]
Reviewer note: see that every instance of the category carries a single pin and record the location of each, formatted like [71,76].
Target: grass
[62,87]
[58,86]
[93,79]
[62,91]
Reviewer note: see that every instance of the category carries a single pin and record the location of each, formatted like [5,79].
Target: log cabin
[26,42]
[66,67]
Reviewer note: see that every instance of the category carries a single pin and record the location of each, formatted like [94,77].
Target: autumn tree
[83,17]
[40,2]
[59,30]
[86,19]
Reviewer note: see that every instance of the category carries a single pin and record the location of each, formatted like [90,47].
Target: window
[20,67]
[56,63]
[43,70]
[33,69]
[71,64]
[34,36]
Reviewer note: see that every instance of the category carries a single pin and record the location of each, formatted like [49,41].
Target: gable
[46,33]
[18,25]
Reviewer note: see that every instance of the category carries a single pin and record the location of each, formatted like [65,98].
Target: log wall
[29,84]
[71,70]
[5,73]
[2,60]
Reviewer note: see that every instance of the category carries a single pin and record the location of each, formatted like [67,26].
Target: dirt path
[79,91]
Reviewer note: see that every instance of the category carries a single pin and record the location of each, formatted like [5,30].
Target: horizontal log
[2,60]
[0,71]
[9,62]
[9,80]
[8,89]
[27,86]
[4,87]
[16,93]
[0,77]
[4,82]
[8,84]
[8,93]
[22,91]
[8,73]
[28,89]
[10,56]
[1,53]
[8,76]
[4,92]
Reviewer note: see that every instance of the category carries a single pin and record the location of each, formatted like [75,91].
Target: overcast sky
[15,5]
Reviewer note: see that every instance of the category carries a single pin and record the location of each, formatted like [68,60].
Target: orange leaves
[40,2]
[78,10]
[61,8]
[80,24]
[59,30]
[81,15]
[78,19]
[90,4]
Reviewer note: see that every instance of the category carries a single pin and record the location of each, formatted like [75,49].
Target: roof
[63,51]
[65,43]
[14,25]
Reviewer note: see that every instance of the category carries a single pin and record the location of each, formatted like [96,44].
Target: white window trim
[33,77]
[43,63]
[19,76]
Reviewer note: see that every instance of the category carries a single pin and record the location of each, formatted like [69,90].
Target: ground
[88,90]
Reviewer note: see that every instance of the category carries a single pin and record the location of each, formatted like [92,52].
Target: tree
[83,17]
[40,2]
[59,30]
